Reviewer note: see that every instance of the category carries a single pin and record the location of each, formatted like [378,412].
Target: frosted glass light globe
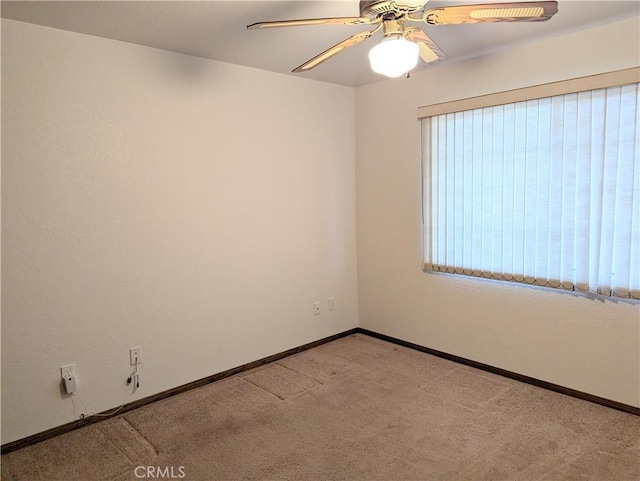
[394,56]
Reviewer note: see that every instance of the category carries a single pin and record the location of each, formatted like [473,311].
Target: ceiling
[216,30]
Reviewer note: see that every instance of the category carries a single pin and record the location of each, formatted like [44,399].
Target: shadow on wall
[185,67]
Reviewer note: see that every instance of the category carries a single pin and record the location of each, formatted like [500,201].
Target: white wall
[585,344]
[191,207]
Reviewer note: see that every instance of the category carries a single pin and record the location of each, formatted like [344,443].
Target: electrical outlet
[316,308]
[68,374]
[68,371]
[135,355]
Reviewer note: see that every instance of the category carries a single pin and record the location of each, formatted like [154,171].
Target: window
[540,189]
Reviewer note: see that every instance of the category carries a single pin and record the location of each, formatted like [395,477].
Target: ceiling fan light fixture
[394,56]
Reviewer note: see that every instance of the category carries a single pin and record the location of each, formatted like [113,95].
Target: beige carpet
[355,409]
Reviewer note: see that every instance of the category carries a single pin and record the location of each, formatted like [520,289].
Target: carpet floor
[357,408]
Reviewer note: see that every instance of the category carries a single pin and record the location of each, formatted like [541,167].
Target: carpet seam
[493,398]
[293,371]
[300,374]
[108,438]
[153,446]
[265,390]
[447,401]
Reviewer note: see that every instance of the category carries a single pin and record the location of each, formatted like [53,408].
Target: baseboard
[512,375]
[65,428]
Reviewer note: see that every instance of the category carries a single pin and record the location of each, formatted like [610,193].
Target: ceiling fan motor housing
[392,27]
[376,8]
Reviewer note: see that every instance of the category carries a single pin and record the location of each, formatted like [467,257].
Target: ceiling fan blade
[492,12]
[314,21]
[429,51]
[336,49]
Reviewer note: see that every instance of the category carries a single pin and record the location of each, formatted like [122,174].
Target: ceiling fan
[401,46]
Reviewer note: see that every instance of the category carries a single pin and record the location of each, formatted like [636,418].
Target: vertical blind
[544,191]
